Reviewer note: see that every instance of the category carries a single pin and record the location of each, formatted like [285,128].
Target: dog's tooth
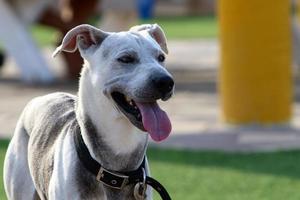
[128,99]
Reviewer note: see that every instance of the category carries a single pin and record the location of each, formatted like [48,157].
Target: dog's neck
[111,139]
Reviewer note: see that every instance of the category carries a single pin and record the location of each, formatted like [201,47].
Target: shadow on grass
[285,163]
[207,86]
[4,144]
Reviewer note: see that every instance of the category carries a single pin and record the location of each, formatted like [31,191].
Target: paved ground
[194,110]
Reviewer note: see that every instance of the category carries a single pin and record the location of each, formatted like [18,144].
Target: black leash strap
[114,179]
[158,187]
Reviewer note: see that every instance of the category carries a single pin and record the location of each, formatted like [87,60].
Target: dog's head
[129,68]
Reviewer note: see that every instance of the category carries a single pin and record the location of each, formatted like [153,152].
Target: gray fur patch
[58,110]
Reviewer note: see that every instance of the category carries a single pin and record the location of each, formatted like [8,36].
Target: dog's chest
[90,188]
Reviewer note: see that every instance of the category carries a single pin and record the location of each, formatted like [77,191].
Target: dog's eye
[127,59]
[161,58]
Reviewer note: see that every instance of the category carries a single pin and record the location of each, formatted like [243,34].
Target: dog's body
[42,162]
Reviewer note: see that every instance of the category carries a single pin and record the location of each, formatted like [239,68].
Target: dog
[115,111]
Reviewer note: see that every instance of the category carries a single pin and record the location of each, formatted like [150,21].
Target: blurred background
[236,64]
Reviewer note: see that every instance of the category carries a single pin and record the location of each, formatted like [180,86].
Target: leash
[118,180]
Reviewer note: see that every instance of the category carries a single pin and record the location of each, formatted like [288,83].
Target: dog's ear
[155,32]
[83,37]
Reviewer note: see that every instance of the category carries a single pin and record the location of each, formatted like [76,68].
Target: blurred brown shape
[71,14]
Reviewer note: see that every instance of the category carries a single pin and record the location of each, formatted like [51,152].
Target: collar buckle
[112,179]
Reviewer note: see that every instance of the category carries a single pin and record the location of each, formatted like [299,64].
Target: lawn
[175,28]
[188,27]
[228,176]
[3,146]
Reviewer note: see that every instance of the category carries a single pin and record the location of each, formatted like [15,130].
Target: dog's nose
[163,84]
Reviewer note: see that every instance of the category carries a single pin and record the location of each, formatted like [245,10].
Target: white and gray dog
[122,79]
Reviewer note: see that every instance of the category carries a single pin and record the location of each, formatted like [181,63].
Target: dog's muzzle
[140,106]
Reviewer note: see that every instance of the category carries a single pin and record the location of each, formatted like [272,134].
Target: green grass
[3,146]
[188,27]
[214,176]
[44,35]
[175,28]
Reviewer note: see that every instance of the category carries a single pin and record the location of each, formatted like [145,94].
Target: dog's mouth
[147,116]
[129,108]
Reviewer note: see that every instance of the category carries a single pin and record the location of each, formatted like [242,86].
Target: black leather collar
[113,179]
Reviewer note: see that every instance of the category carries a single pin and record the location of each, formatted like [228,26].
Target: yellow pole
[297,8]
[255,73]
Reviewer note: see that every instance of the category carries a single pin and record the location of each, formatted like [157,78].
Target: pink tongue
[155,121]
